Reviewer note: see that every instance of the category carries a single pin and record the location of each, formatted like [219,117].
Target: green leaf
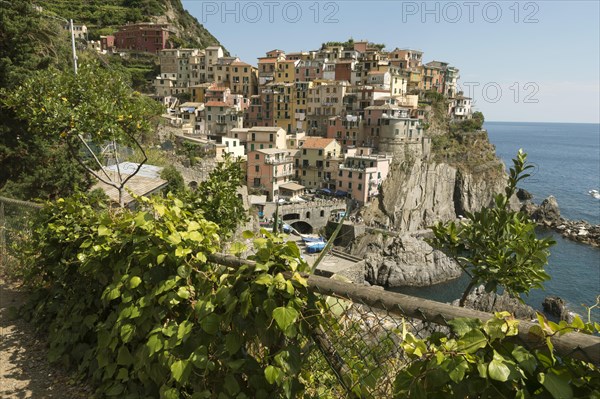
[124,357]
[183,293]
[127,331]
[285,316]
[498,371]
[104,231]
[525,359]
[462,325]
[247,234]
[160,259]
[558,388]
[134,282]
[180,371]
[272,374]
[233,342]
[184,330]
[154,343]
[472,341]
[210,323]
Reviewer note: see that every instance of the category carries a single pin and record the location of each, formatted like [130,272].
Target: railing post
[2,234]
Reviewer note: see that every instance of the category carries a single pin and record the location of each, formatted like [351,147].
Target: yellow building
[317,162]
[286,71]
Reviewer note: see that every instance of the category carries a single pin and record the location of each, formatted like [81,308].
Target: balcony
[282,173]
[278,161]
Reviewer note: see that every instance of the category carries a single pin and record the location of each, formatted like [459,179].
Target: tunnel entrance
[302,227]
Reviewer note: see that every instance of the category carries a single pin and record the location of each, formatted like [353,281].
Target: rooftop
[316,143]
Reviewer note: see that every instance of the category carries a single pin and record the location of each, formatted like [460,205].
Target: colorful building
[146,37]
[317,161]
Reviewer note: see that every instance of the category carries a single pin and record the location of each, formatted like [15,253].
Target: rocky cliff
[402,260]
[457,173]
[420,191]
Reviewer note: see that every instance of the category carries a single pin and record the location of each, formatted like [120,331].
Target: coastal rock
[548,215]
[484,301]
[404,260]
[557,307]
[548,211]
[524,195]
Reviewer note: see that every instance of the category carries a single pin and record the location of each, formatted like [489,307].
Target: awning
[340,193]
[325,191]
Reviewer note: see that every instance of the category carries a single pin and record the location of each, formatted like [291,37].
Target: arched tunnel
[302,227]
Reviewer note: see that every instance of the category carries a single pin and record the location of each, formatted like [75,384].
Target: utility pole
[73,46]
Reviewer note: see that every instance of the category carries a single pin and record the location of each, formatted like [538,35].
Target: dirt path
[24,369]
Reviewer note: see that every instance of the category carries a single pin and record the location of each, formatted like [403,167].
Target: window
[349,174]
[308,215]
[257,168]
[304,151]
[256,156]
[322,213]
[320,152]
[359,186]
[340,184]
[349,185]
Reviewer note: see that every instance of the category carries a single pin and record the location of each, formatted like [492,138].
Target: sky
[526,61]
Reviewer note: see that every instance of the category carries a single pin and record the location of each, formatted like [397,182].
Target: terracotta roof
[216,104]
[316,143]
[240,63]
[265,60]
[376,72]
[217,88]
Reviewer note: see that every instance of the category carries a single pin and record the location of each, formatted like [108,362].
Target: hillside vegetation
[104,16]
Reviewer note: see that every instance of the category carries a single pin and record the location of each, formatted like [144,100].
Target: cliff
[453,171]
[441,184]
[403,260]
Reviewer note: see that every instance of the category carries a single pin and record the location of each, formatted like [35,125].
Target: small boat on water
[594,193]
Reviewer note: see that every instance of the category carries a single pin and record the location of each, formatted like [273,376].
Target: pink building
[362,173]
[268,169]
[348,131]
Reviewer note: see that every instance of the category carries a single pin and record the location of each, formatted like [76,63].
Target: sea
[566,159]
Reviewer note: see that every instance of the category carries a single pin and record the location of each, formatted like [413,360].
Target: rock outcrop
[403,260]
[557,307]
[547,214]
[419,192]
[484,301]
[547,211]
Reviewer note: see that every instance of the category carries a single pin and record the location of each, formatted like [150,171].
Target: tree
[31,166]
[173,177]
[496,246]
[86,112]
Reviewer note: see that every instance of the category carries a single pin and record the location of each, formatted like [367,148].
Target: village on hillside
[326,121]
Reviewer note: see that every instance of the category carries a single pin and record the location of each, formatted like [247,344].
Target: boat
[308,239]
[594,193]
[314,247]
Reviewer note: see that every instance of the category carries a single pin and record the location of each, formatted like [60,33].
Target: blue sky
[535,61]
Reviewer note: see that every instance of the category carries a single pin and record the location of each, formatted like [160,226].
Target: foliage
[74,113]
[219,197]
[98,16]
[486,360]
[174,179]
[468,125]
[133,300]
[496,246]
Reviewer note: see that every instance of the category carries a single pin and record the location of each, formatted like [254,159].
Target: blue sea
[566,157]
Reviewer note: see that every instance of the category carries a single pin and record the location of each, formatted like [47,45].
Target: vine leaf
[285,316]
